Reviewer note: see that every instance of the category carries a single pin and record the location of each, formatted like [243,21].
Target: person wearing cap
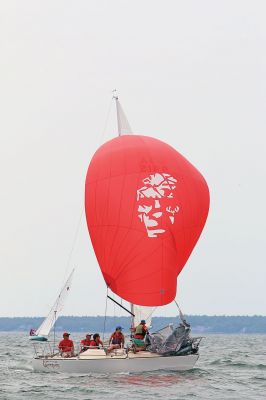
[66,346]
[85,343]
[96,342]
[140,330]
[117,339]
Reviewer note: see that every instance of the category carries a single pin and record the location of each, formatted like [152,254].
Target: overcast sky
[191,73]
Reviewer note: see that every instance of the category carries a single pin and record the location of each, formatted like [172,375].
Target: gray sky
[191,73]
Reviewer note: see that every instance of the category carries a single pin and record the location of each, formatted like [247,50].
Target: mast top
[115,96]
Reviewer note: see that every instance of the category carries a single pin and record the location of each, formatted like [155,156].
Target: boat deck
[94,354]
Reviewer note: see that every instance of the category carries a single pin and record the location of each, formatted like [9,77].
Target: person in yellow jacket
[140,330]
[139,334]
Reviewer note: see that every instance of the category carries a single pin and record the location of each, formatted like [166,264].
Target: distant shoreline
[200,324]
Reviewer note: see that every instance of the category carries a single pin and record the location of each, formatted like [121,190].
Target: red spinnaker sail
[146,206]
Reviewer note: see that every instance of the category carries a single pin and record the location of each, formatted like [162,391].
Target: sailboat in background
[146,206]
[41,334]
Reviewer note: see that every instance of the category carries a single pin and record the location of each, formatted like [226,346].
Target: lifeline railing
[50,349]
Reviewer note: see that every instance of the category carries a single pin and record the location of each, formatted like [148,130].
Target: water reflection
[159,379]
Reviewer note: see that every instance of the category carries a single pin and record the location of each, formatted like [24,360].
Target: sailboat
[41,334]
[146,206]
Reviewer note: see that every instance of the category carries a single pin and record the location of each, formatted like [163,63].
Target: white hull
[143,361]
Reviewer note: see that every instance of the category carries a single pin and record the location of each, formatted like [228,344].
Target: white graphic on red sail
[154,199]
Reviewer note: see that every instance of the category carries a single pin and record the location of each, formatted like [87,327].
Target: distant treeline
[199,323]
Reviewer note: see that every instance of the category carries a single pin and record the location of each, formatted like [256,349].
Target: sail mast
[120,115]
[132,317]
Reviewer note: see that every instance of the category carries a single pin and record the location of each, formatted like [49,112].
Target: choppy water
[230,367]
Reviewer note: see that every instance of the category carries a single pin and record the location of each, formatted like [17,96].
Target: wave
[237,364]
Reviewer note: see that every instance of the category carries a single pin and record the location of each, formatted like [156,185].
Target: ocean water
[230,367]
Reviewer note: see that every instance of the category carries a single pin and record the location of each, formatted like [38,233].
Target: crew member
[140,330]
[96,342]
[66,346]
[117,339]
[85,343]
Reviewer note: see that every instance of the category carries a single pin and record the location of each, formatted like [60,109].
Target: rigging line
[74,242]
[105,312]
[54,328]
[70,253]
[150,314]
[82,210]
[63,288]
[181,315]
[105,123]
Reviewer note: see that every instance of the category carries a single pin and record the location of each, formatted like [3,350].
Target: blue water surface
[230,367]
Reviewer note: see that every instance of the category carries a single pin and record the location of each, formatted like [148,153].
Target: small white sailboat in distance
[41,334]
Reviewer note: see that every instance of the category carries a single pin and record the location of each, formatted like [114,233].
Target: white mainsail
[56,310]
[142,312]
[122,122]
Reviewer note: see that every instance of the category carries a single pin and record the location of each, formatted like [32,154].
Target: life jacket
[117,338]
[140,330]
